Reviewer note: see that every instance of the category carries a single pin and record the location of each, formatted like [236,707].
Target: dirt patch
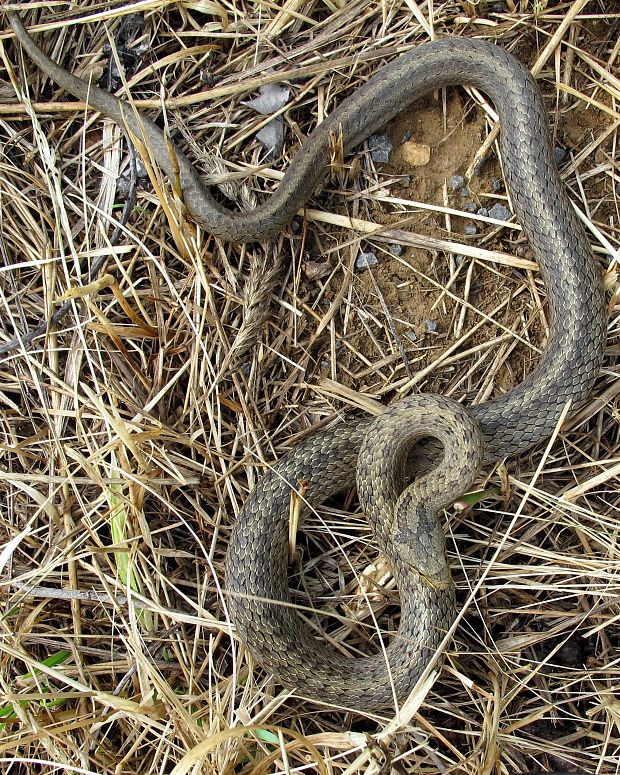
[453,134]
[399,314]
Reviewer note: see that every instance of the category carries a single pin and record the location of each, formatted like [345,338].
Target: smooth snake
[256,576]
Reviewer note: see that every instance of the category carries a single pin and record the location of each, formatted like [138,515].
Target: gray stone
[271,137]
[366,260]
[380,148]
[272,97]
[500,213]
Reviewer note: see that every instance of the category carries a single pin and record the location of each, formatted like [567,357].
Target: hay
[133,428]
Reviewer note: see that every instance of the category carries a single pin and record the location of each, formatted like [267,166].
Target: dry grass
[133,430]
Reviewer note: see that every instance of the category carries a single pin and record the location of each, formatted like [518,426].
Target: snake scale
[256,577]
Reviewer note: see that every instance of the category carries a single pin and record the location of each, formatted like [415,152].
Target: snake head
[420,542]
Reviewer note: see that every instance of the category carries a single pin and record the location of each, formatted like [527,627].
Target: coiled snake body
[509,424]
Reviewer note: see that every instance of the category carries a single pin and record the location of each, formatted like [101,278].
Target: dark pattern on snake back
[510,423]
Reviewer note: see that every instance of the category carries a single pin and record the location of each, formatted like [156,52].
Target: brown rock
[415,154]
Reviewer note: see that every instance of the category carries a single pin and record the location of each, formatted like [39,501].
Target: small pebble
[470,207]
[465,191]
[366,260]
[406,136]
[456,181]
[405,181]
[459,259]
[559,154]
[500,213]
[496,184]
[416,154]
[271,137]
[431,326]
[316,269]
[497,8]
[380,148]
[483,211]
[411,336]
[396,249]
[471,229]
[271,97]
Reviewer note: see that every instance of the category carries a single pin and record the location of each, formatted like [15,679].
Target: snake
[373,453]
